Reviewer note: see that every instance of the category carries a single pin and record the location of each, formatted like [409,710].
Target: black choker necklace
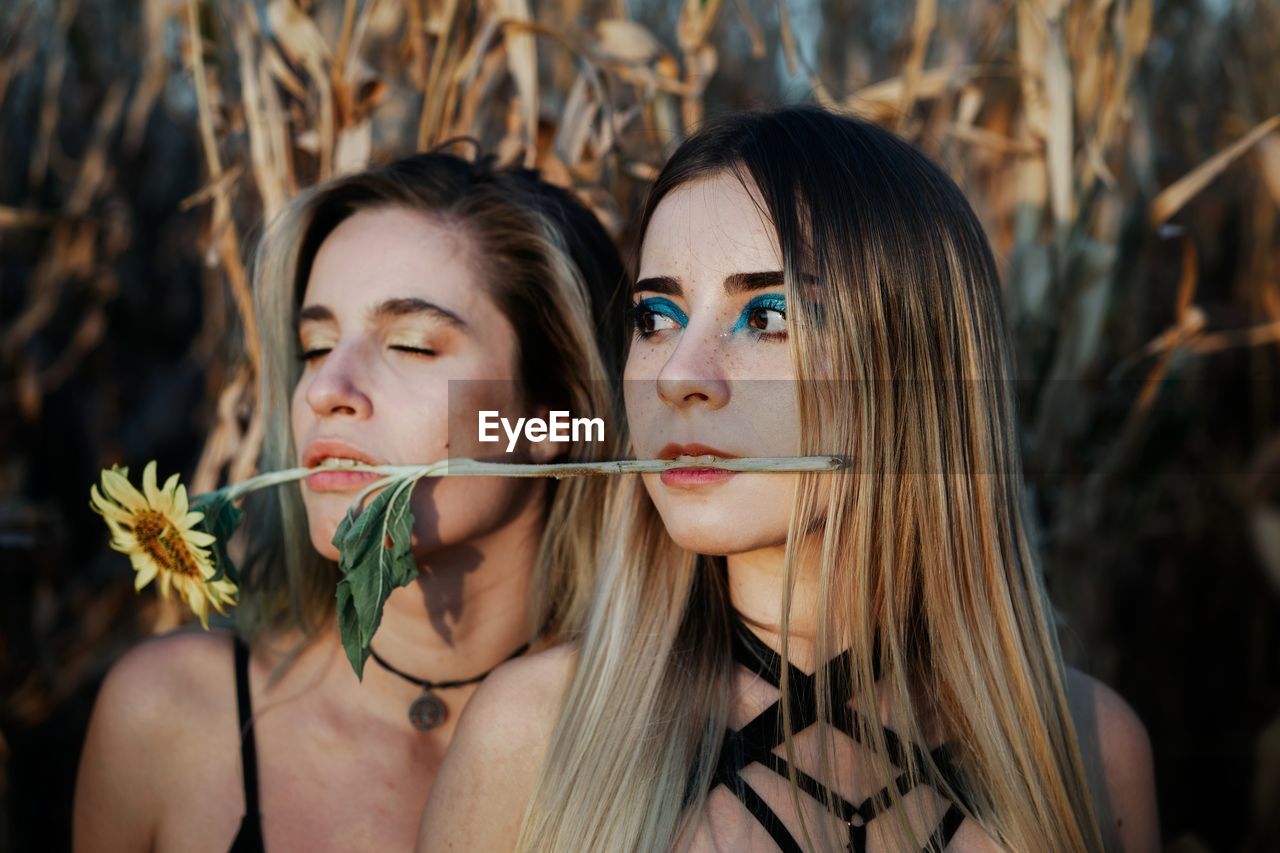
[428,711]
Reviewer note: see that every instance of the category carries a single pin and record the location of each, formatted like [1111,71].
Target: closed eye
[319,352]
[422,351]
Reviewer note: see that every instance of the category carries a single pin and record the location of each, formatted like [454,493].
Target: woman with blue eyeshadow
[864,660]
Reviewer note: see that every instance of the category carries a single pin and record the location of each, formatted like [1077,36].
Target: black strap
[248,746]
[755,743]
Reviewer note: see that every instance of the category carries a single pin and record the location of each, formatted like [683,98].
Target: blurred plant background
[1123,154]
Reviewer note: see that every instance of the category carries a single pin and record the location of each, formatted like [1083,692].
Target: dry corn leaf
[522,62]
[926,18]
[304,45]
[579,114]
[269,176]
[621,40]
[1268,154]
[697,17]
[881,101]
[788,37]
[1173,197]
[14,217]
[354,149]
[754,31]
[298,36]
[1059,137]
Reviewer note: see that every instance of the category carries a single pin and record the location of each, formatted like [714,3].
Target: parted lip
[323,448]
[672,451]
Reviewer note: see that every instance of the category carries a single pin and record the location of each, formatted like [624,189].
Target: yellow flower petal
[109,510]
[149,489]
[177,497]
[123,546]
[200,539]
[119,489]
[145,575]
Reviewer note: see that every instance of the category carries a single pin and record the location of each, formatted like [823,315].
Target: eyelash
[647,307]
[642,310]
[311,354]
[766,302]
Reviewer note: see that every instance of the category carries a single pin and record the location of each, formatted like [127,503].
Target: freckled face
[709,370]
[394,310]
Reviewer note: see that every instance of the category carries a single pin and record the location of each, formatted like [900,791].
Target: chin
[721,535]
[322,528]
[324,546]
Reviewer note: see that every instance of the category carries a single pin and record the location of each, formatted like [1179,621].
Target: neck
[466,613]
[757,584]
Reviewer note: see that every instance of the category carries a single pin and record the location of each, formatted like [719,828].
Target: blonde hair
[548,265]
[924,567]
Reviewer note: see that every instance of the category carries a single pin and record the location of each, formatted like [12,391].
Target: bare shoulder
[169,682]
[508,722]
[139,744]
[487,778]
[522,698]
[1118,759]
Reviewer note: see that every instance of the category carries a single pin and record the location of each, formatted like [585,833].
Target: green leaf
[221,519]
[375,557]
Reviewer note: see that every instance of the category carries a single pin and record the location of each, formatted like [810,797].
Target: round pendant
[427,711]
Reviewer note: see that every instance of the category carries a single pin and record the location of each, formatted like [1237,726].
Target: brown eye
[765,315]
[655,315]
[760,319]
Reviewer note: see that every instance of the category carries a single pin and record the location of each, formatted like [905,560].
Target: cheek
[300,418]
[450,511]
[644,410]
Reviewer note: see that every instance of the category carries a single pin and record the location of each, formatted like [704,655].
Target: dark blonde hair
[550,268]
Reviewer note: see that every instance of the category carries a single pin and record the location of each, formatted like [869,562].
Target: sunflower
[158,532]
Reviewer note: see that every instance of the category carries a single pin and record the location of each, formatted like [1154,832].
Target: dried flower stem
[473,468]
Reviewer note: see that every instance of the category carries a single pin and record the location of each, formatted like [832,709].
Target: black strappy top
[249,838]
[756,741]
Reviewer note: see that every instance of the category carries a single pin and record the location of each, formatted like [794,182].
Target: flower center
[164,543]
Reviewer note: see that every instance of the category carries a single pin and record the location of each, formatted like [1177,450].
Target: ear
[547,451]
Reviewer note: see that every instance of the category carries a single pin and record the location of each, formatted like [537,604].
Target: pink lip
[685,477]
[691,477]
[337,481]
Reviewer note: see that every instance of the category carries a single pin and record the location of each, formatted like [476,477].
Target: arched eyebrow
[743,282]
[739,282]
[400,307]
[408,306]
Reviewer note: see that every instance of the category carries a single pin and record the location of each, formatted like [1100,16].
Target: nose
[337,386]
[694,374]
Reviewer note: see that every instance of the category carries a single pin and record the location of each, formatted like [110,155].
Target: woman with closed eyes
[387,300]
[863,660]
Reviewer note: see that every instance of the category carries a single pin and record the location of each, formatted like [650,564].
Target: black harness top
[756,742]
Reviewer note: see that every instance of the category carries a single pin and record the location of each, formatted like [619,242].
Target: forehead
[708,229]
[374,255]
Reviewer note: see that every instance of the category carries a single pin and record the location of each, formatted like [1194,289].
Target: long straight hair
[924,567]
[551,269]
